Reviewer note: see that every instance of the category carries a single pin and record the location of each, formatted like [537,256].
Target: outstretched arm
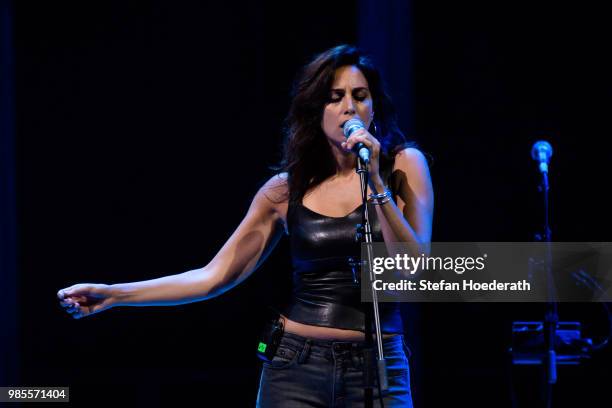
[246,248]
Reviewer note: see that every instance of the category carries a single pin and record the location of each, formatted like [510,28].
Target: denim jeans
[324,373]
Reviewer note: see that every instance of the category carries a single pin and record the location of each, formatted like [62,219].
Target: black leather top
[324,293]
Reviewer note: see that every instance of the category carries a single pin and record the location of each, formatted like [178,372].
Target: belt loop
[305,352]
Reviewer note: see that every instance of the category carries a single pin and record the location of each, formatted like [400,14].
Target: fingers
[83,299]
[69,299]
[71,303]
[67,303]
[73,307]
[75,310]
[79,291]
[361,136]
[62,293]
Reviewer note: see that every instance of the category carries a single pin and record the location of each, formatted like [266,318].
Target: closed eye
[336,96]
[359,94]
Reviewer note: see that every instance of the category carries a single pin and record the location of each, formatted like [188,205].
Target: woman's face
[349,97]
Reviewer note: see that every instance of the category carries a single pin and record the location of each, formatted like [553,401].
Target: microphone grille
[541,146]
[352,125]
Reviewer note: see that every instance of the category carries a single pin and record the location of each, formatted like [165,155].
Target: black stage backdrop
[144,129]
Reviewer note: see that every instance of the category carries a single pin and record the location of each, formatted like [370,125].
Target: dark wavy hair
[307,156]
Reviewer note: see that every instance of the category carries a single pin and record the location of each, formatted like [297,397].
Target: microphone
[350,127]
[541,152]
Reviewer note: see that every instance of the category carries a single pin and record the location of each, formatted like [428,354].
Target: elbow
[212,284]
[206,283]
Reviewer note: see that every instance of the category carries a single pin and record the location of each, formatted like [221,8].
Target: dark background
[143,129]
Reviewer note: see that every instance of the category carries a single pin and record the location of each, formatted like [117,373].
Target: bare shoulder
[410,158]
[411,173]
[276,189]
[274,195]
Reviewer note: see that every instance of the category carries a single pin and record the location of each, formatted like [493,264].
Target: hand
[85,299]
[365,137]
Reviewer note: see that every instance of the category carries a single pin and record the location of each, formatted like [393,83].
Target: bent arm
[410,220]
[244,251]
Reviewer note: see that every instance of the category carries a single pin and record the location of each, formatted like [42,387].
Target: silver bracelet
[381,201]
[386,193]
[381,198]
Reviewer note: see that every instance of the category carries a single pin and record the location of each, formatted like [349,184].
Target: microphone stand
[364,231]
[551,317]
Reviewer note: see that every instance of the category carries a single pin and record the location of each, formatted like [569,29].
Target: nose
[349,107]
